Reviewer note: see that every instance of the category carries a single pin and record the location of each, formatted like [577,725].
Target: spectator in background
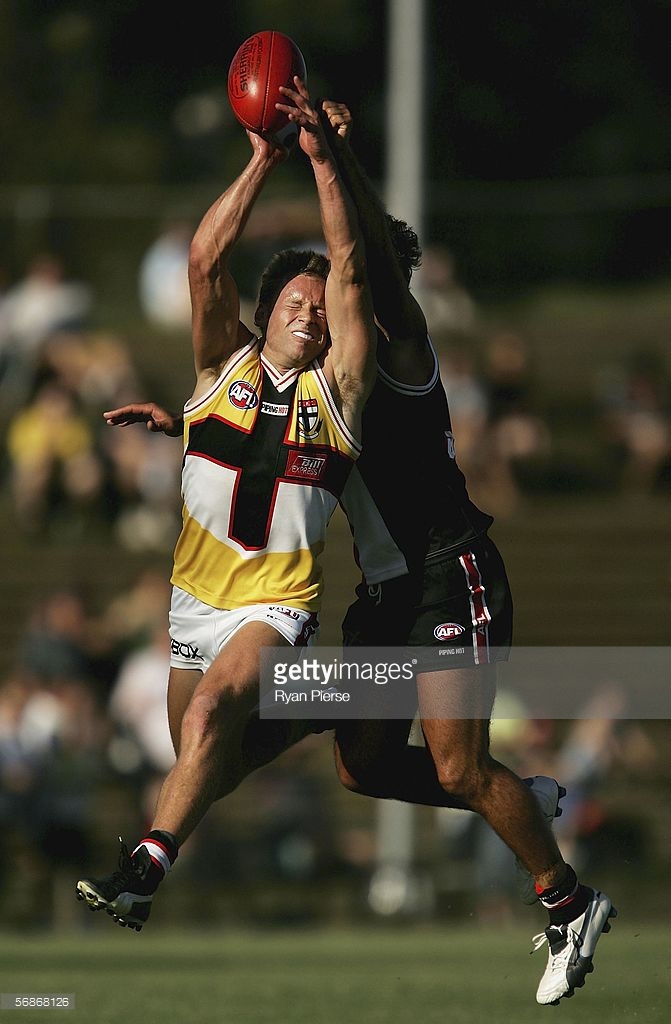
[447,305]
[138,708]
[129,619]
[134,624]
[634,402]
[96,366]
[145,477]
[56,643]
[52,457]
[518,430]
[499,434]
[24,751]
[162,279]
[469,407]
[140,486]
[50,741]
[60,457]
[601,739]
[42,302]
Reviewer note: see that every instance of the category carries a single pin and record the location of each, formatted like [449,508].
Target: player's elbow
[203,263]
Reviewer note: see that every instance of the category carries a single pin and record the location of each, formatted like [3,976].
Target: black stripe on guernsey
[262,459]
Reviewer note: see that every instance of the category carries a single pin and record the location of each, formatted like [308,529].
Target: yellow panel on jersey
[266,458]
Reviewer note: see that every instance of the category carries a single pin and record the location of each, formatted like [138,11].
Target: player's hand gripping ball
[261,65]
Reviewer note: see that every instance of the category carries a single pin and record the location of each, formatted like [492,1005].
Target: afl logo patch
[242,395]
[448,631]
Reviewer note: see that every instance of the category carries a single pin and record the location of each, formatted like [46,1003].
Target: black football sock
[567,900]
[160,853]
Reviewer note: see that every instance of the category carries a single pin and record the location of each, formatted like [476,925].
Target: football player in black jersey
[453,605]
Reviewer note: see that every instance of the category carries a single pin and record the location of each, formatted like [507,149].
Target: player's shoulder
[408,360]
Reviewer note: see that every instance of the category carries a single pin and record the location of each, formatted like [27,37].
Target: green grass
[447,975]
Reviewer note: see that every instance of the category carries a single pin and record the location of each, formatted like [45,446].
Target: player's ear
[262,315]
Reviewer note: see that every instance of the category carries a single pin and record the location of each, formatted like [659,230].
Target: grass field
[436,975]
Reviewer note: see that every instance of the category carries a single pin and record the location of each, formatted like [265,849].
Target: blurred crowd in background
[84,706]
[84,747]
[58,372]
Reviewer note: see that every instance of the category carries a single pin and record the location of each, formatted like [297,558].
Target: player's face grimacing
[297,329]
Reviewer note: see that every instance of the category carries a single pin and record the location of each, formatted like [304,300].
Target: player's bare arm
[349,364]
[215,301]
[397,311]
[157,419]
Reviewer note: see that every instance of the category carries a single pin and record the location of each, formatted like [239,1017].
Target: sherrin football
[261,65]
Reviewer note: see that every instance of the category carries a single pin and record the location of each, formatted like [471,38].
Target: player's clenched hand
[339,120]
[157,419]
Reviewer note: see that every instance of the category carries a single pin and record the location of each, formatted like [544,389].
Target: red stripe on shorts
[480,615]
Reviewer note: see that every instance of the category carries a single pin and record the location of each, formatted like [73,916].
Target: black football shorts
[458,614]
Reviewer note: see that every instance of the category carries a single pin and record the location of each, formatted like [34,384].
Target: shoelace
[124,873]
[538,941]
[566,933]
[125,862]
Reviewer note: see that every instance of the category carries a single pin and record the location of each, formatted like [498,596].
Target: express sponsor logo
[448,631]
[308,467]
[242,395]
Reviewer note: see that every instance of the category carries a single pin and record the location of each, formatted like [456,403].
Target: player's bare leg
[212,729]
[459,744]
[455,707]
[208,719]
[373,758]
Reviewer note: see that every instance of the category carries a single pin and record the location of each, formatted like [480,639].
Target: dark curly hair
[283,267]
[406,245]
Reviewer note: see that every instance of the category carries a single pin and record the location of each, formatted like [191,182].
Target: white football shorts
[198,631]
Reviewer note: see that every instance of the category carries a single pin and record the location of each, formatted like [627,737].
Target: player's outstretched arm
[348,300]
[215,302]
[155,417]
[396,309]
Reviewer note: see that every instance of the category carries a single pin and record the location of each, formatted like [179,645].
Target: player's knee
[462,778]
[204,717]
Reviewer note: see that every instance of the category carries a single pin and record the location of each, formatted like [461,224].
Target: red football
[261,65]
